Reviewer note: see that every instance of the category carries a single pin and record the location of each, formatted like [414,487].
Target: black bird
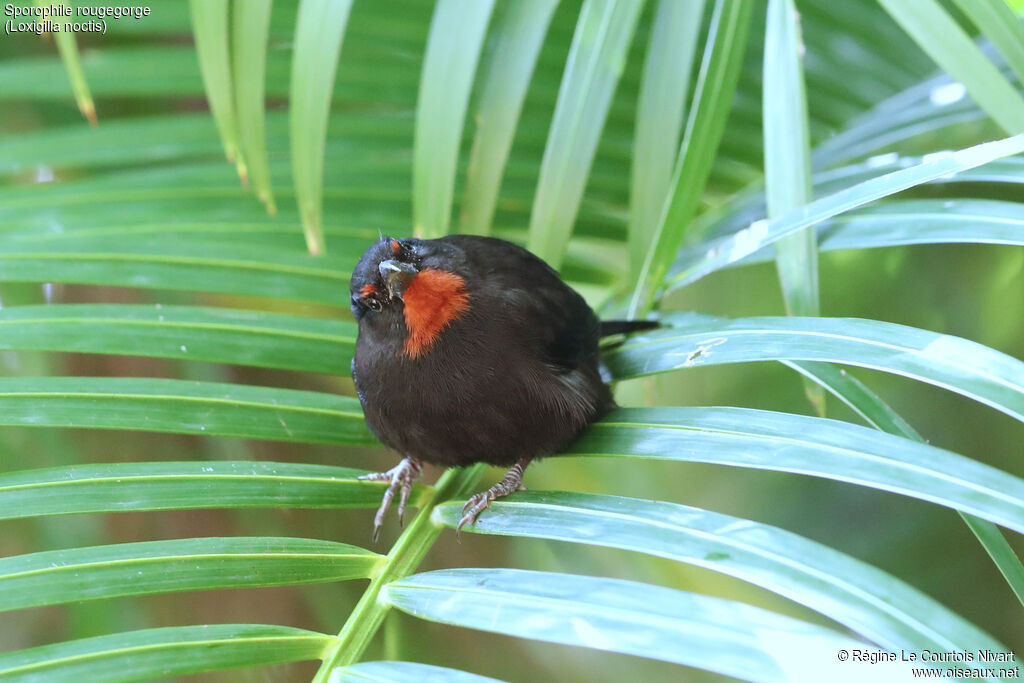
[471,349]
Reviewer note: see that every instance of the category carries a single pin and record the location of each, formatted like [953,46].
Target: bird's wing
[553,321]
[574,336]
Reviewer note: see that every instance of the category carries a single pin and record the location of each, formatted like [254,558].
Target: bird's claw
[475,506]
[402,476]
[510,483]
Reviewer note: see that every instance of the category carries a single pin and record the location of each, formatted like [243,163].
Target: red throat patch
[433,300]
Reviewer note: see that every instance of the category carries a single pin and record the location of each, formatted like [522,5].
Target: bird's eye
[373,304]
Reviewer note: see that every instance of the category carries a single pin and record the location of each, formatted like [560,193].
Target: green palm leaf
[787,156]
[142,211]
[919,221]
[834,584]
[879,415]
[139,655]
[592,70]
[614,615]
[448,69]
[518,34]
[210,25]
[182,407]
[720,252]
[219,335]
[660,106]
[402,672]
[248,64]
[836,450]
[950,46]
[318,34]
[965,367]
[58,576]
[716,82]
[123,487]
[173,264]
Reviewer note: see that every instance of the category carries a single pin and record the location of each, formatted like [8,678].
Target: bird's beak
[397,276]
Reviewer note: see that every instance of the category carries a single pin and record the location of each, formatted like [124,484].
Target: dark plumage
[471,349]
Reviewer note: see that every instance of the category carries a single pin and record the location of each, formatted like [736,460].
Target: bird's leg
[401,477]
[510,483]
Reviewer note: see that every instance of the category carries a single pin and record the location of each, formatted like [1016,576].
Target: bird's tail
[610,327]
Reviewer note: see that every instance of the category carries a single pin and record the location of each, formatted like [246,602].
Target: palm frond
[150,248]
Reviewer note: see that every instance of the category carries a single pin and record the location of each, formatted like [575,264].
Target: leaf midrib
[370,556]
[267,266]
[190,399]
[220,327]
[174,477]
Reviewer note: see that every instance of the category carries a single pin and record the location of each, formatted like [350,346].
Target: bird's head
[408,285]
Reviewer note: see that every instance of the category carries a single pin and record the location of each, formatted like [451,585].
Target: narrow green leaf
[174,182]
[813,446]
[882,128]
[182,137]
[787,165]
[129,257]
[748,206]
[878,414]
[836,585]
[128,70]
[716,83]
[620,616]
[1008,170]
[68,49]
[856,395]
[189,265]
[60,576]
[996,545]
[319,30]
[1000,25]
[210,29]
[518,36]
[718,253]
[123,487]
[403,672]
[208,188]
[250,24]
[595,62]
[787,159]
[119,141]
[919,221]
[162,652]
[948,44]
[968,368]
[448,69]
[183,407]
[659,117]
[219,335]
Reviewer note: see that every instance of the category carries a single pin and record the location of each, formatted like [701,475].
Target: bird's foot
[510,483]
[402,476]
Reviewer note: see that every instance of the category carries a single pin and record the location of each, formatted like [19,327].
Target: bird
[471,349]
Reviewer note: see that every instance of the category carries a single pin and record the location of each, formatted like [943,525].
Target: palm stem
[406,555]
